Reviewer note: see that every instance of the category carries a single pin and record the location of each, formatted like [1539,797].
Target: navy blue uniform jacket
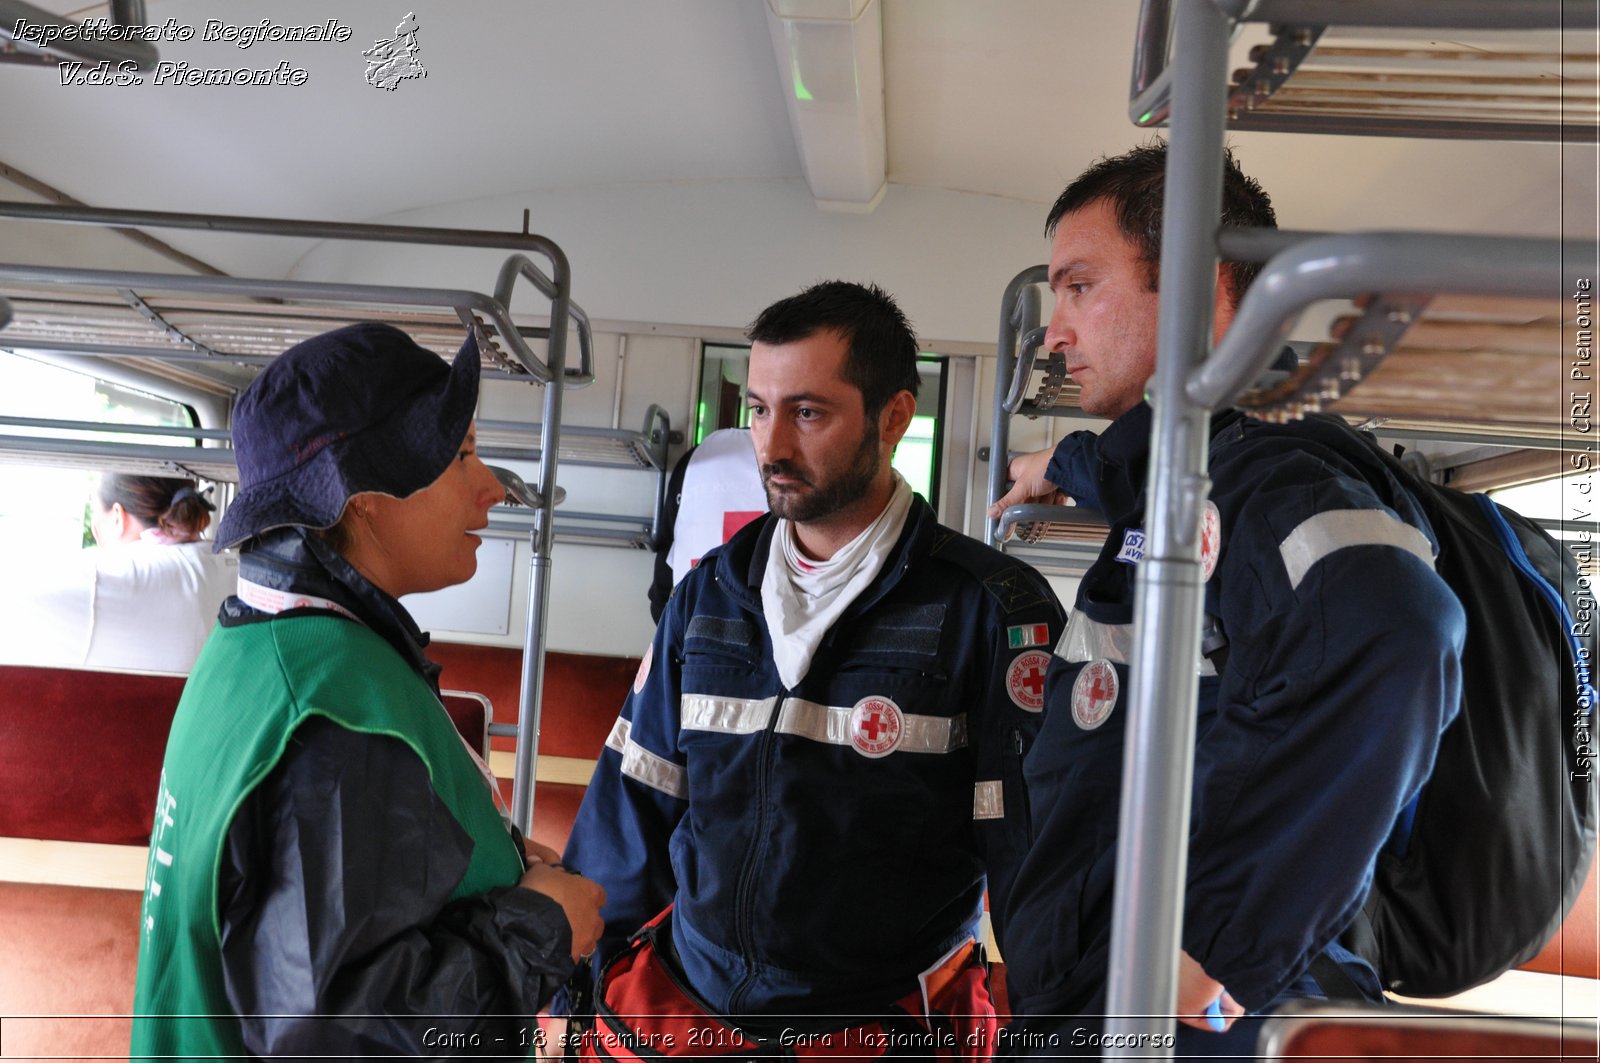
[1342,668]
[823,845]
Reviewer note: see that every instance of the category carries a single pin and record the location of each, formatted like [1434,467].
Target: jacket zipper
[744,916]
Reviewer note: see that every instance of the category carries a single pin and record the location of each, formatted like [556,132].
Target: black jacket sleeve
[338,936]
[661,583]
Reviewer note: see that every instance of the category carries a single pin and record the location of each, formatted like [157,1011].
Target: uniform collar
[1125,455]
[297,561]
[747,552]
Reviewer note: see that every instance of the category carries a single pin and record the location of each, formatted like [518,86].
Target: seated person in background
[819,765]
[332,872]
[721,485]
[144,598]
[1333,660]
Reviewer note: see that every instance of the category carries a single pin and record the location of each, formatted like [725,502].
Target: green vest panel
[251,688]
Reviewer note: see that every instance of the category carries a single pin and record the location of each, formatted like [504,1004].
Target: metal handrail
[1025,325]
[521,266]
[658,438]
[1005,363]
[1307,267]
[304,291]
[124,13]
[112,427]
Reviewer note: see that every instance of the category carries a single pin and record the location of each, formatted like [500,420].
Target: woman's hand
[579,898]
[540,854]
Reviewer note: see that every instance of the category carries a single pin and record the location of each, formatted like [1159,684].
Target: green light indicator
[800,90]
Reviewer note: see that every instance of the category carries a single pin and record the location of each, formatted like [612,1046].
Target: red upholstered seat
[81,751]
[1575,950]
[472,713]
[582,692]
[1306,1030]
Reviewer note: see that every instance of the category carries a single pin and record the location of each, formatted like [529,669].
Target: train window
[721,405]
[722,380]
[45,508]
[1566,505]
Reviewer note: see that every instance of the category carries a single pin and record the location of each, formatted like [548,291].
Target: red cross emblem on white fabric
[1094,694]
[643,673]
[876,727]
[1210,539]
[1025,680]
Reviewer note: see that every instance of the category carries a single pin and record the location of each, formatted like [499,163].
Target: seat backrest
[81,752]
[581,693]
[1315,1029]
[1575,950]
[472,713]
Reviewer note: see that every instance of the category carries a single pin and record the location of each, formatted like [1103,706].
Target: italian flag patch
[1024,635]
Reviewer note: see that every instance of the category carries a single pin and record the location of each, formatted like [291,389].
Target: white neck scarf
[801,598]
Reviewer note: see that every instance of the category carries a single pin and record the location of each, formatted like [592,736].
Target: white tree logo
[392,61]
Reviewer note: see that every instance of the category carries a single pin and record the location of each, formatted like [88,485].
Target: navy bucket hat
[361,408]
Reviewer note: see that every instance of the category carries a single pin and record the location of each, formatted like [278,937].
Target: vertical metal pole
[530,700]
[1158,764]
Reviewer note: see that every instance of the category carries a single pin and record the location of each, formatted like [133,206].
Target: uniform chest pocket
[901,641]
[720,645]
[929,675]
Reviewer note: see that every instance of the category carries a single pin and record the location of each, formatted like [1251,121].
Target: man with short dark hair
[819,765]
[1333,663]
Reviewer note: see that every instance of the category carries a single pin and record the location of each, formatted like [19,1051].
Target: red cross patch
[876,726]
[644,668]
[1210,540]
[1025,680]
[1094,694]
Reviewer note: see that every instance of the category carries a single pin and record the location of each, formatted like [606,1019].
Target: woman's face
[426,541]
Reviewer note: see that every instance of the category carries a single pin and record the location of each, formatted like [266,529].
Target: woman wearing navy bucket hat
[331,871]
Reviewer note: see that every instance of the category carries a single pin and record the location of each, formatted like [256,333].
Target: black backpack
[1497,845]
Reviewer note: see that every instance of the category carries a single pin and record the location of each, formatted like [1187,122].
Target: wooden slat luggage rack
[217,331]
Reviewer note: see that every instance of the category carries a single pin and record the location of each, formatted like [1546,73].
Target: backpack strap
[1334,982]
[1214,642]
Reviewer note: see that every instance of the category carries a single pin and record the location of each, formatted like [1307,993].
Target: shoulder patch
[1015,588]
[1010,582]
[1025,680]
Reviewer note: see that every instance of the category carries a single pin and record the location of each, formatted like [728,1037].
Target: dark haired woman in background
[164,509]
[144,598]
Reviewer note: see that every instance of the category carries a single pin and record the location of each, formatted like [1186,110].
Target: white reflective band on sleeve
[734,716]
[1318,536]
[1088,640]
[831,725]
[641,765]
[988,800]
[618,738]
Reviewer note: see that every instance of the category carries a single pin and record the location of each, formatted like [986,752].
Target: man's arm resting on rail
[1069,469]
